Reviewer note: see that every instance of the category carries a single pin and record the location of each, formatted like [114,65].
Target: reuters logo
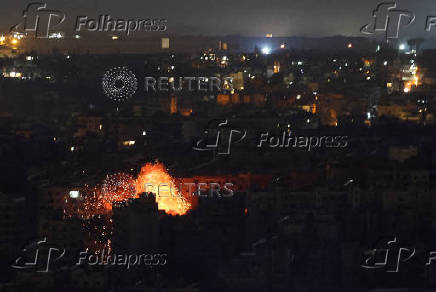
[119,84]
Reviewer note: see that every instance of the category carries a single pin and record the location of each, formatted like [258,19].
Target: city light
[74,194]
[18,36]
[12,74]
[402,47]
[129,143]
[350,45]
[56,35]
[14,41]
[282,46]
[266,50]
[114,37]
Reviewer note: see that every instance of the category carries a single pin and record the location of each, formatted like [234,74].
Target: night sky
[244,17]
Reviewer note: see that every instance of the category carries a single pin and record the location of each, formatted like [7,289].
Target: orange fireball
[154,178]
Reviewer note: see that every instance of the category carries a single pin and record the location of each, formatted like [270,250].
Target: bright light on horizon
[266,50]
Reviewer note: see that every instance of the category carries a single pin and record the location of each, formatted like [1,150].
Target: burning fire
[168,198]
[121,187]
[95,206]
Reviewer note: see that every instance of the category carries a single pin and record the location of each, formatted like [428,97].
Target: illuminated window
[74,194]
[129,143]
[165,43]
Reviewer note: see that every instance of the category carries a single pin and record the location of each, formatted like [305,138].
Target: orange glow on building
[276,67]
[236,99]
[259,100]
[367,62]
[333,117]
[223,99]
[173,105]
[186,112]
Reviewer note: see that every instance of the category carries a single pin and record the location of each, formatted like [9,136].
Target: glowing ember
[168,198]
[117,188]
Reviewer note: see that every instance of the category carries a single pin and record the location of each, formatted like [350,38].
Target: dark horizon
[252,18]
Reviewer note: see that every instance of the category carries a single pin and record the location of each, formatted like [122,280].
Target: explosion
[95,205]
[169,199]
[121,187]
[118,187]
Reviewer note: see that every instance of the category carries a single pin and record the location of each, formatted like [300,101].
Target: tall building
[135,225]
